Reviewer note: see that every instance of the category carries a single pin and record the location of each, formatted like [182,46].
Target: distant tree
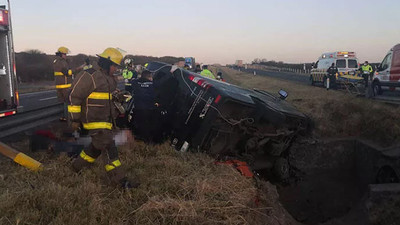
[34,52]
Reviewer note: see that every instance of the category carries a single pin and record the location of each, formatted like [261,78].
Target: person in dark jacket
[145,113]
[332,71]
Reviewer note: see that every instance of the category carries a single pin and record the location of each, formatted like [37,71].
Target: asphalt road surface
[42,99]
[36,100]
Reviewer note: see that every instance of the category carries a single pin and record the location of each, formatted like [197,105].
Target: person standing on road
[331,79]
[91,105]
[207,73]
[367,71]
[63,78]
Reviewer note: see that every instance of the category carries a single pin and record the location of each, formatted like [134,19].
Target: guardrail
[27,120]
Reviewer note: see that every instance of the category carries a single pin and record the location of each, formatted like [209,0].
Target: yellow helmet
[63,50]
[112,54]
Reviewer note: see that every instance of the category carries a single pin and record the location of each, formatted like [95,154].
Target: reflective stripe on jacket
[91,100]
[62,73]
[207,73]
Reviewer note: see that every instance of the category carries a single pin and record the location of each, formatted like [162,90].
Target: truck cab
[387,75]
[8,80]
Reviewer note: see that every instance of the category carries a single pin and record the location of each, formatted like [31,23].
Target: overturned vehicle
[222,119]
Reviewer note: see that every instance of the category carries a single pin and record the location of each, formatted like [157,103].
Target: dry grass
[176,189]
[334,113]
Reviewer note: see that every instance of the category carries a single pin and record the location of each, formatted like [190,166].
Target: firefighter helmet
[113,55]
[63,50]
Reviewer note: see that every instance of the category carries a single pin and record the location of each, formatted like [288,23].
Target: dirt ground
[335,114]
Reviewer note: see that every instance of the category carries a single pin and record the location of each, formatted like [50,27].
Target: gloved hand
[75,126]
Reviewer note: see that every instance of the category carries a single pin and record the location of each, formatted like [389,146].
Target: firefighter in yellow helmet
[63,77]
[91,106]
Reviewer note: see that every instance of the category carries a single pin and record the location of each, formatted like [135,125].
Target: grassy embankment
[335,114]
[176,188]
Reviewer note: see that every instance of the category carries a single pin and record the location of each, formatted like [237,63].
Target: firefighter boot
[85,159]
[118,178]
[79,164]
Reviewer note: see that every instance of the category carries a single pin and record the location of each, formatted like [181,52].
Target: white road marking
[36,93]
[44,99]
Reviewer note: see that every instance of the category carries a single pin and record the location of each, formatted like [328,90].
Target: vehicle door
[341,64]
[383,72]
[395,67]
[352,65]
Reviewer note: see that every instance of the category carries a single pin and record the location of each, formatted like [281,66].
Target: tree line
[34,65]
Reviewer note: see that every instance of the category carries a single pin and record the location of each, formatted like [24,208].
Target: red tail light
[4,17]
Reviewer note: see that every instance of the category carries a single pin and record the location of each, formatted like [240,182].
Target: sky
[212,31]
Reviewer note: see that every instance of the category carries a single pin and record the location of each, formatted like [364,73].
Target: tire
[312,83]
[376,88]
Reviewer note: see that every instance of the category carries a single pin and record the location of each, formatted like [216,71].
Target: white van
[346,62]
[387,75]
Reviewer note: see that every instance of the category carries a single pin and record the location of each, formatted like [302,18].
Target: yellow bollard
[20,158]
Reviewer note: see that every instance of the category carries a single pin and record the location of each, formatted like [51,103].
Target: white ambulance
[387,75]
[8,79]
[346,62]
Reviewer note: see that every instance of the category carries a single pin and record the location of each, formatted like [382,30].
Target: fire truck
[9,99]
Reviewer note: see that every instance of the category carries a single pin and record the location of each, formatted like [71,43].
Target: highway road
[387,96]
[35,100]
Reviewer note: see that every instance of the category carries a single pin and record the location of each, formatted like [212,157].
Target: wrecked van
[221,119]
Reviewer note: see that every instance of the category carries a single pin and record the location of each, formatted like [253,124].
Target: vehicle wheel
[376,88]
[312,80]
[386,175]
[281,169]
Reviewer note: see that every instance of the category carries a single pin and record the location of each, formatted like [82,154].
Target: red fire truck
[9,98]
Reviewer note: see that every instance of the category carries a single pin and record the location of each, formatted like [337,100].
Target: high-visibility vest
[207,73]
[367,68]
[127,74]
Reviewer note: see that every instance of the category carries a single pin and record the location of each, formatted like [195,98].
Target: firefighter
[366,70]
[331,79]
[207,73]
[63,78]
[128,74]
[91,106]
[146,108]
